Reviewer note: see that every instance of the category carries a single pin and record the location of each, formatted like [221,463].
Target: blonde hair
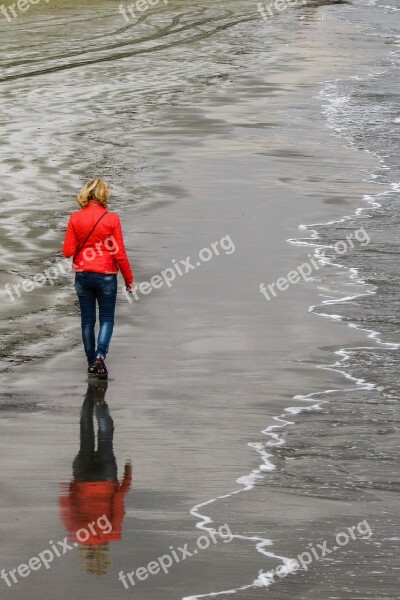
[94,189]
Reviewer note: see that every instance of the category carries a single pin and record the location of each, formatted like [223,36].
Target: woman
[94,240]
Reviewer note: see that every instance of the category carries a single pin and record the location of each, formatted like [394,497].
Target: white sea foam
[334,105]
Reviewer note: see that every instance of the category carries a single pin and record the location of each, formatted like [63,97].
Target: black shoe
[92,371]
[101,369]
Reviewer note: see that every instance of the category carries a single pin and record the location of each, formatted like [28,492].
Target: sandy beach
[199,370]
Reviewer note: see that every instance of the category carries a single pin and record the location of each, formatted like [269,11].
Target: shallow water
[207,121]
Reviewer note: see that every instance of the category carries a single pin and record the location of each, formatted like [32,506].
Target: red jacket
[84,502]
[104,251]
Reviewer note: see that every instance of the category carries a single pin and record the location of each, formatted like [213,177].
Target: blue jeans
[91,464]
[100,287]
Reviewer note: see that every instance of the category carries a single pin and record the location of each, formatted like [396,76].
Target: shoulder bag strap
[94,227]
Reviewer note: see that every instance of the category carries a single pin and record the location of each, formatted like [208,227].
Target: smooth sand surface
[197,370]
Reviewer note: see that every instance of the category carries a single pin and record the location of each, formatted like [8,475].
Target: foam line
[249,481]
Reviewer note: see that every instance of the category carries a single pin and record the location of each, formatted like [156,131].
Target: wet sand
[198,370]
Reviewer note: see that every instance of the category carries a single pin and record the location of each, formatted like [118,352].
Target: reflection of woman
[95,494]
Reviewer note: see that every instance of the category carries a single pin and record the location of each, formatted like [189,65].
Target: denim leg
[105,451]
[87,302]
[106,297]
[85,459]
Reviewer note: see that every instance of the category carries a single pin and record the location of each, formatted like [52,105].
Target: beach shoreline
[198,369]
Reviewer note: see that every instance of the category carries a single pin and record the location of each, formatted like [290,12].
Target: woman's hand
[130,287]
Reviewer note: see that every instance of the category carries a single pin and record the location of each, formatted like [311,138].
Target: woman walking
[94,240]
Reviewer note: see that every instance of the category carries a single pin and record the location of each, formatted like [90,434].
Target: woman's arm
[118,509]
[120,256]
[71,242]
